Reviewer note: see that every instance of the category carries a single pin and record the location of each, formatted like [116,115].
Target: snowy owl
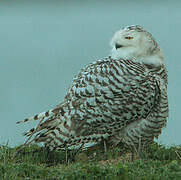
[120,99]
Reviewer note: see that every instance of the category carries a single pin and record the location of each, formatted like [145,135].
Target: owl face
[124,39]
[134,43]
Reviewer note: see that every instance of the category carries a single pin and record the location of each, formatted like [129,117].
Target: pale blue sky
[43,44]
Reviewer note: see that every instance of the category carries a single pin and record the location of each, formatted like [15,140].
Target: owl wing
[109,94]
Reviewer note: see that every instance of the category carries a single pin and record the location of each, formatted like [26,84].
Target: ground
[33,162]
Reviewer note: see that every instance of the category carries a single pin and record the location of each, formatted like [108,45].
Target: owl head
[137,44]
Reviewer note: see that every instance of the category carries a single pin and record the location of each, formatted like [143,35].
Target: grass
[37,163]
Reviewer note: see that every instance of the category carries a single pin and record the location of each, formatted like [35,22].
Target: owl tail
[59,135]
[38,116]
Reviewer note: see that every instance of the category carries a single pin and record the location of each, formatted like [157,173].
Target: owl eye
[128,37]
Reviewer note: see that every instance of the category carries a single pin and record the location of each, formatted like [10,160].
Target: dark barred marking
[62,112]
[25,120]
[47,114]
[36,117]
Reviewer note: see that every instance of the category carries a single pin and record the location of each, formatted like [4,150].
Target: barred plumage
[116,98]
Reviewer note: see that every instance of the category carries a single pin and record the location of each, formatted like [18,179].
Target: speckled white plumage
[122,98]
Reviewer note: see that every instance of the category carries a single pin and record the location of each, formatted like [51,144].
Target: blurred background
[43,44]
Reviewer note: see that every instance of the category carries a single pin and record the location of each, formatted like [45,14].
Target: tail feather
[38,116]
[45,125]
[28,133]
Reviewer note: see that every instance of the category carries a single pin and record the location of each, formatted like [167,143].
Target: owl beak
[118,46]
